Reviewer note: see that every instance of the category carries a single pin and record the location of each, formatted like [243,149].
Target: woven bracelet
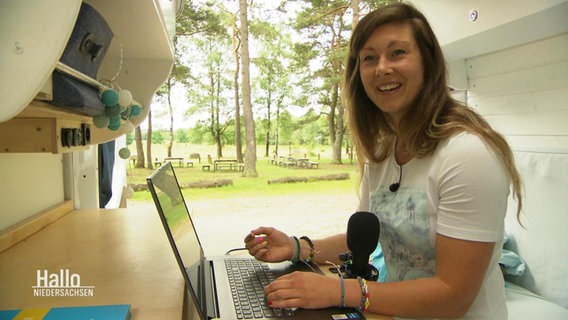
[297,250]
[364,295]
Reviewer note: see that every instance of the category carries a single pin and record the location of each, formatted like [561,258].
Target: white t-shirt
[459,191]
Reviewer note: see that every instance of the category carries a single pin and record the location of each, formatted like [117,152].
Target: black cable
[233,250]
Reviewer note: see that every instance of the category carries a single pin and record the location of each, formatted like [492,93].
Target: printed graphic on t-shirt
[407,232]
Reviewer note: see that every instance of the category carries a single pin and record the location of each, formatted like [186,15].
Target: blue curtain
[106,165]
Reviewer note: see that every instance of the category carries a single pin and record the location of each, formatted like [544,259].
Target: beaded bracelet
[364,295]
[312,250]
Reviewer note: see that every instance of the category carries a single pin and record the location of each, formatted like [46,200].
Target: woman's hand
[306,290]
[270,245]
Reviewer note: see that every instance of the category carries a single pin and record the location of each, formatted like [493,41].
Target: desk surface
[123,253]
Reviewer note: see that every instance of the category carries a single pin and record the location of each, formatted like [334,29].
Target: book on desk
[104,312]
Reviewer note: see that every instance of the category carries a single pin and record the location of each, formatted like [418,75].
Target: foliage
[297,49]
[158,137]
[181,136]
[129,139]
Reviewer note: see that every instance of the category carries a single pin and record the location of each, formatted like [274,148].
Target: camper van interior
[508,59]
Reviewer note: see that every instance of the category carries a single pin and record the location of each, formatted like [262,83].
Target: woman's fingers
[301,290]
[268,244]
[282,294]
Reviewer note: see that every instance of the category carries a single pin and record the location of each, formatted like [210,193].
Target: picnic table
[172,159]
[230,164]
[291,162]
[301,162]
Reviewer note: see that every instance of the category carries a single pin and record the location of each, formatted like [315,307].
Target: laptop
[213,282]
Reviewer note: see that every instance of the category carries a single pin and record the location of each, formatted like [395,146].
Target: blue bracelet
[342,301]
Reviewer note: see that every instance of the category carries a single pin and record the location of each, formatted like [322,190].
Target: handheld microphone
[362,239]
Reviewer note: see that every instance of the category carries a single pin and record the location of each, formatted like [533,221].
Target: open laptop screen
[181,232]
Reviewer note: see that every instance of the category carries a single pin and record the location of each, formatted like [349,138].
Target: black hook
[89,46]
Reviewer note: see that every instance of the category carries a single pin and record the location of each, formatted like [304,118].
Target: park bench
[311,164]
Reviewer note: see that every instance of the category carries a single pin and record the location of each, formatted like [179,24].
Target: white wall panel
[538,123]
[548,144]
[523,93]
[533,101]
[30,183]
[540,78]
[539,53]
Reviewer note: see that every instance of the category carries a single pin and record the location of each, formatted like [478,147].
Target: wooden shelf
[40,128]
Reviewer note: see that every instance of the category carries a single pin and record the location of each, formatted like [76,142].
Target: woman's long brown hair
[435,114]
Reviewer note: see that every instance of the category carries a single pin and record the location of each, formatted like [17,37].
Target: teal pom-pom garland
[135,110]
[118,106]
[124,98]
[124,153]
[112,111]
[109,97]
[101,121]
[114,123]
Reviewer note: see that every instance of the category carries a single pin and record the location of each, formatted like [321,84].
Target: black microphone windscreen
[394,187]
[363,232]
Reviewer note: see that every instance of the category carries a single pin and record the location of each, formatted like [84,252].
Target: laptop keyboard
[247,278]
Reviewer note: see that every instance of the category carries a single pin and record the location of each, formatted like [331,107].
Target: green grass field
[249,187]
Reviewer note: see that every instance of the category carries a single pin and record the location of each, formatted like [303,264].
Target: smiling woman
[391,70]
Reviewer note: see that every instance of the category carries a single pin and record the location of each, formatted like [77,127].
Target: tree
[250,137]
[192,20]
[217,84]
[287,127]
[273,75]
[181,136]
[165,93]
[208,93]
[158,137]
[326,25]
[312,80]
[149,142]
[236,47]
[140,161]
